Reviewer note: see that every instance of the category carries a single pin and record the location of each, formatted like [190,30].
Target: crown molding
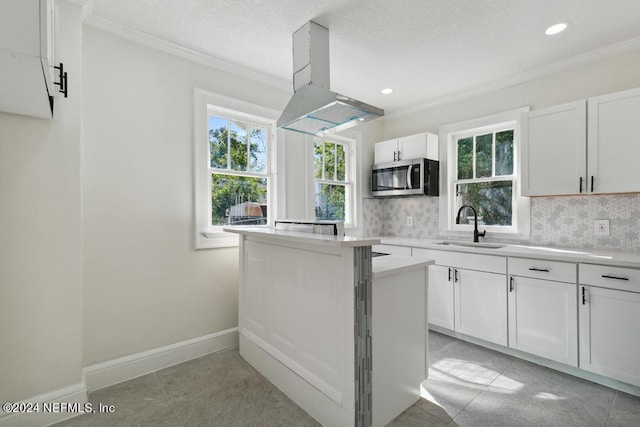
[172,48]
[519,78]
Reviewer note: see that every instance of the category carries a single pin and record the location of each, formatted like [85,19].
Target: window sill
[216,239]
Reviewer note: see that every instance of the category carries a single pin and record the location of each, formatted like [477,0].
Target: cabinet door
[609,337]
[543,318]
[614,130]
[440,312]
[413,146]
[385,151]
[481,305]
[554,150]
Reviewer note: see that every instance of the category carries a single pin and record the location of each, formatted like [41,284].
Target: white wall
[144,284]
[40,239]
[608,75]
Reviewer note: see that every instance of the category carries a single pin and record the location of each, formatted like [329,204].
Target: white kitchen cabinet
[422,145]
[609,315]
[26,57]
[467,294]
[582,147]
[441,298]
[554,150]
[481,305]
[543,309]
[613,148]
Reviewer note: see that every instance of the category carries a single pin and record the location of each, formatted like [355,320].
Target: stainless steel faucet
[476,233]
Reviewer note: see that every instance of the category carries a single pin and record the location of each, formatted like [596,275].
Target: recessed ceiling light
[556,28]
[386,91]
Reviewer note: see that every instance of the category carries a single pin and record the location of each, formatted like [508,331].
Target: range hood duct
[314,109]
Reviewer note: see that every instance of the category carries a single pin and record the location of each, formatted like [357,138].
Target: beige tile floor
[469,386]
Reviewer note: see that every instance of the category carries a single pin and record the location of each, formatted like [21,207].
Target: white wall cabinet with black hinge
[554,150]
[29,80]
[472,289]
[609,315]
[543,317]
[421,145]
[582,147]
[613,145]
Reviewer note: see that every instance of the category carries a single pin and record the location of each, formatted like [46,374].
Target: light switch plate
[601,227]
[409,221]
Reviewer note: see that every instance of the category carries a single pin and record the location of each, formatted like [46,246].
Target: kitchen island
[306,323]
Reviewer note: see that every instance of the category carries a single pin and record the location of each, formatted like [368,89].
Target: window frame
[348,174]
[208,103]
[449,135]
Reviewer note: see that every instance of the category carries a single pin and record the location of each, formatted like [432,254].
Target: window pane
[484,158]
[317,159]
[218,141]
[329,161]
[465,158]
[238,146]
[492,200]
[330,202]
[341,162]
[238,200]
[504,152]
[258,149]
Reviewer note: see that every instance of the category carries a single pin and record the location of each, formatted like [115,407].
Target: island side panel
[399,342]
[296,322]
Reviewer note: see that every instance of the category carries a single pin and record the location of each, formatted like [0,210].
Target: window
[238,166]
[485,177]
[233,166]
[330,179]
[482,171]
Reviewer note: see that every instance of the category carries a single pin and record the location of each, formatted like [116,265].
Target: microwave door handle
[409,186]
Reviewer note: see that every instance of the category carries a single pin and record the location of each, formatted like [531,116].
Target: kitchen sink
[473,245]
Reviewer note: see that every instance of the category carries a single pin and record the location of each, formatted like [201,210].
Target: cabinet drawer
[392,249]
[424,253]
[625,279]
[489,263]
[543,269]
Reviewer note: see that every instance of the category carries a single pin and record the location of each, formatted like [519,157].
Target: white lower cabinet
[481,305]
[440,299]
[466,300]
[609,319]
[543,317]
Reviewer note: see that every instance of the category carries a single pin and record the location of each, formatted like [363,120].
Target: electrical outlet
[600,227]
[409,221]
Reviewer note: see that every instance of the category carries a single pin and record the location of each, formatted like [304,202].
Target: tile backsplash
[555,221]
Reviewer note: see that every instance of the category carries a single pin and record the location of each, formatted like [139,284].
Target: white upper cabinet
[614,142]
[421,145]
[582,147]
[554,150]
[26,57]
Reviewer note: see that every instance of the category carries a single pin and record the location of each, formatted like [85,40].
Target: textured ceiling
[428,50]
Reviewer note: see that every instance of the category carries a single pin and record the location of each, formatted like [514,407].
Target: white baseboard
[74,397]
[128,367]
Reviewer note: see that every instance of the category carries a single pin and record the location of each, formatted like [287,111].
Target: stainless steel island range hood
[314,109]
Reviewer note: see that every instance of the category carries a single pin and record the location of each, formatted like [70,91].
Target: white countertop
[387,265]
[293,236]
[590,256]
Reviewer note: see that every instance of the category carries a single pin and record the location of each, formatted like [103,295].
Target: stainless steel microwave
[406,177]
